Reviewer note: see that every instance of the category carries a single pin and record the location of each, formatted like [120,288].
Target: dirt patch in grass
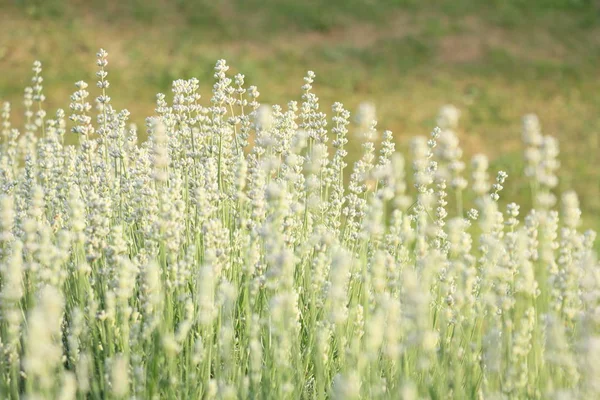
[460,49]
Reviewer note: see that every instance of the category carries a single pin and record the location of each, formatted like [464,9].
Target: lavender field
[415,219]
[226,256]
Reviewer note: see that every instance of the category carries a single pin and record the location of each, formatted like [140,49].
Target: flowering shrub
[225,257]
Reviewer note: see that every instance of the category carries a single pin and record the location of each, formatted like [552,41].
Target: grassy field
[495,60]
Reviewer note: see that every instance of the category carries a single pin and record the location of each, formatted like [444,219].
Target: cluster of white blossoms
[234,254]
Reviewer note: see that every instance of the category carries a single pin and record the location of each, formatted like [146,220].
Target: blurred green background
[496,60]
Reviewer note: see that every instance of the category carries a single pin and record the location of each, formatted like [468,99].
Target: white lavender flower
[448,117]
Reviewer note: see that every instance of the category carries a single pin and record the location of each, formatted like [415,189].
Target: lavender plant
[226,257]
